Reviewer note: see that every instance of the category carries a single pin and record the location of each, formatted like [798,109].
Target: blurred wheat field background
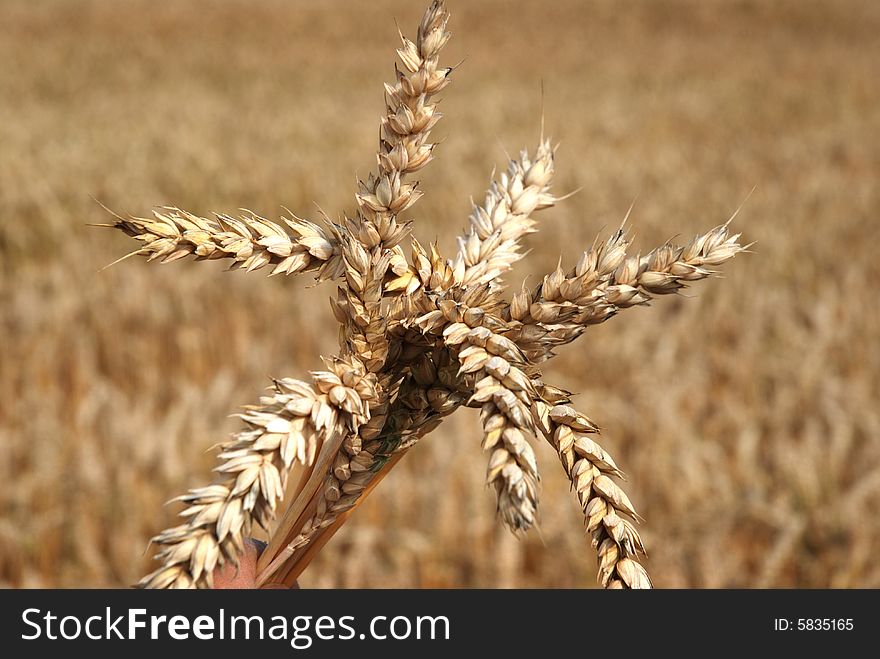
[746,417]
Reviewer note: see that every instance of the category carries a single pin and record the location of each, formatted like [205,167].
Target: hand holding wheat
[244,575]
[419,337]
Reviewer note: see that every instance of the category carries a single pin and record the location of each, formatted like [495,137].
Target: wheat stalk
[420,336]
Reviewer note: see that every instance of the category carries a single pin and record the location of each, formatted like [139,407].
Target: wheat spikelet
[403,150]
[420,335]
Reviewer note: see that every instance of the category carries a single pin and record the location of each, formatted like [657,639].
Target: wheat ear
[294,424]
[605,281]
[370,252]
[492,243]
[505,394]
[249,242]
[608,512]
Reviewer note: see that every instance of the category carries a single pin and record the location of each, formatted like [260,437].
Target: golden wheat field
[745,413]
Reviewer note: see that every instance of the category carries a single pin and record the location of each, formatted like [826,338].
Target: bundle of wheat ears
[420,335]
